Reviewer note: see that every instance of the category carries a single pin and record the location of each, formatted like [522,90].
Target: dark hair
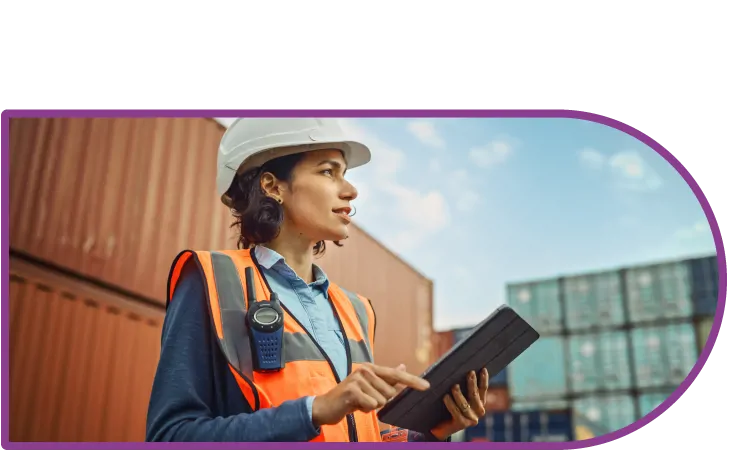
[257,216]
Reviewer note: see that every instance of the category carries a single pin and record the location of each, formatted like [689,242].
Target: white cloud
[592,158]
[630,165]
[422,215]
[460,186]
[633,172]
[628,169]
[698,229]
[427,134]
[492,154]
[428,211]
[405,216]
[386,159]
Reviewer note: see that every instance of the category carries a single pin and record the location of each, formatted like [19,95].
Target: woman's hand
[465,410]
[366,389]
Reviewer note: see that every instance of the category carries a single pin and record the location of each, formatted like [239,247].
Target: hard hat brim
[355,154]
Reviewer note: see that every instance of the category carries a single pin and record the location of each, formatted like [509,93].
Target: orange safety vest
[307,371]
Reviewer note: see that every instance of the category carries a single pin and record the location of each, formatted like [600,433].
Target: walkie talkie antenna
[250,286]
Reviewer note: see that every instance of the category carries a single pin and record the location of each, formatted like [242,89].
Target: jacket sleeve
[185,404]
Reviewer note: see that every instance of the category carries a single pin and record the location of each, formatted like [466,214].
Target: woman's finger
[477,404]
[399,387]
[483,384]
[463,405]
[364,402]
[395,377]
[453,409]
[380,385]
[373,394]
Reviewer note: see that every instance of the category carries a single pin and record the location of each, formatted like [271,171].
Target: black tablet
[494,343]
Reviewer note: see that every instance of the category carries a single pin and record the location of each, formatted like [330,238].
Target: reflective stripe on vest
[307,371]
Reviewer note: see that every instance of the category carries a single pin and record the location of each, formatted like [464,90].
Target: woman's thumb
[399,387]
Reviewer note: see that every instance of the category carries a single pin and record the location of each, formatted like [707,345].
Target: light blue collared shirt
[309,303]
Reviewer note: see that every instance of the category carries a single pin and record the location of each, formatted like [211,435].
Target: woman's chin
[336,234]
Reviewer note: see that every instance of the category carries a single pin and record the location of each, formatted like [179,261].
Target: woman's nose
[349,191]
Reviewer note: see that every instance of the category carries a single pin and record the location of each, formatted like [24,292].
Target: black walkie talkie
[266,323]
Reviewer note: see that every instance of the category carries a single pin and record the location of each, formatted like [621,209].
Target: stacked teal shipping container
[614,345]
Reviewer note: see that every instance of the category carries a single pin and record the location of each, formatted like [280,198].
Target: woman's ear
[270,185]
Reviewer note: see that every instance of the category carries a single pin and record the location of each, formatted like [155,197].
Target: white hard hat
[250,142]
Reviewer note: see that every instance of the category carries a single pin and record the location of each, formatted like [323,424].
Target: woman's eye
[327,171]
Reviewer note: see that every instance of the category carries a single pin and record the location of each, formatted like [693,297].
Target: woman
[257,344]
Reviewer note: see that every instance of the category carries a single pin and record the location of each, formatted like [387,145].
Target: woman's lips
[343,214]
[344,217]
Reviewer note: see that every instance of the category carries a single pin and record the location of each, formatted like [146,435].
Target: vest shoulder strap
[226,300]
[365,314]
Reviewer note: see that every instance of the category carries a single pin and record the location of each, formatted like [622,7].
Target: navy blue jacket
[195,396]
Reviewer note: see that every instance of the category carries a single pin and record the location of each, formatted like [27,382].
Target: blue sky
[477,203]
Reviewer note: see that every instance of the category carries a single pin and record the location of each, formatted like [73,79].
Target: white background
[659,67]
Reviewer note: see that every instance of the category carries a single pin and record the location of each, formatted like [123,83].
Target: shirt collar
[271,260]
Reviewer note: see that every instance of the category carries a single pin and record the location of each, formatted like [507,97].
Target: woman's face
[317,201]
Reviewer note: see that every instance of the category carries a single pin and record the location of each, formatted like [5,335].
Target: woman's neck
[298,254]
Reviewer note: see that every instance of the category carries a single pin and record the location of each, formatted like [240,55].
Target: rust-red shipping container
[442,342]
[116,199]
[82,359]
[498,399]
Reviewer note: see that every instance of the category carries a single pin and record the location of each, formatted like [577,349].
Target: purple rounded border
[568,114]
